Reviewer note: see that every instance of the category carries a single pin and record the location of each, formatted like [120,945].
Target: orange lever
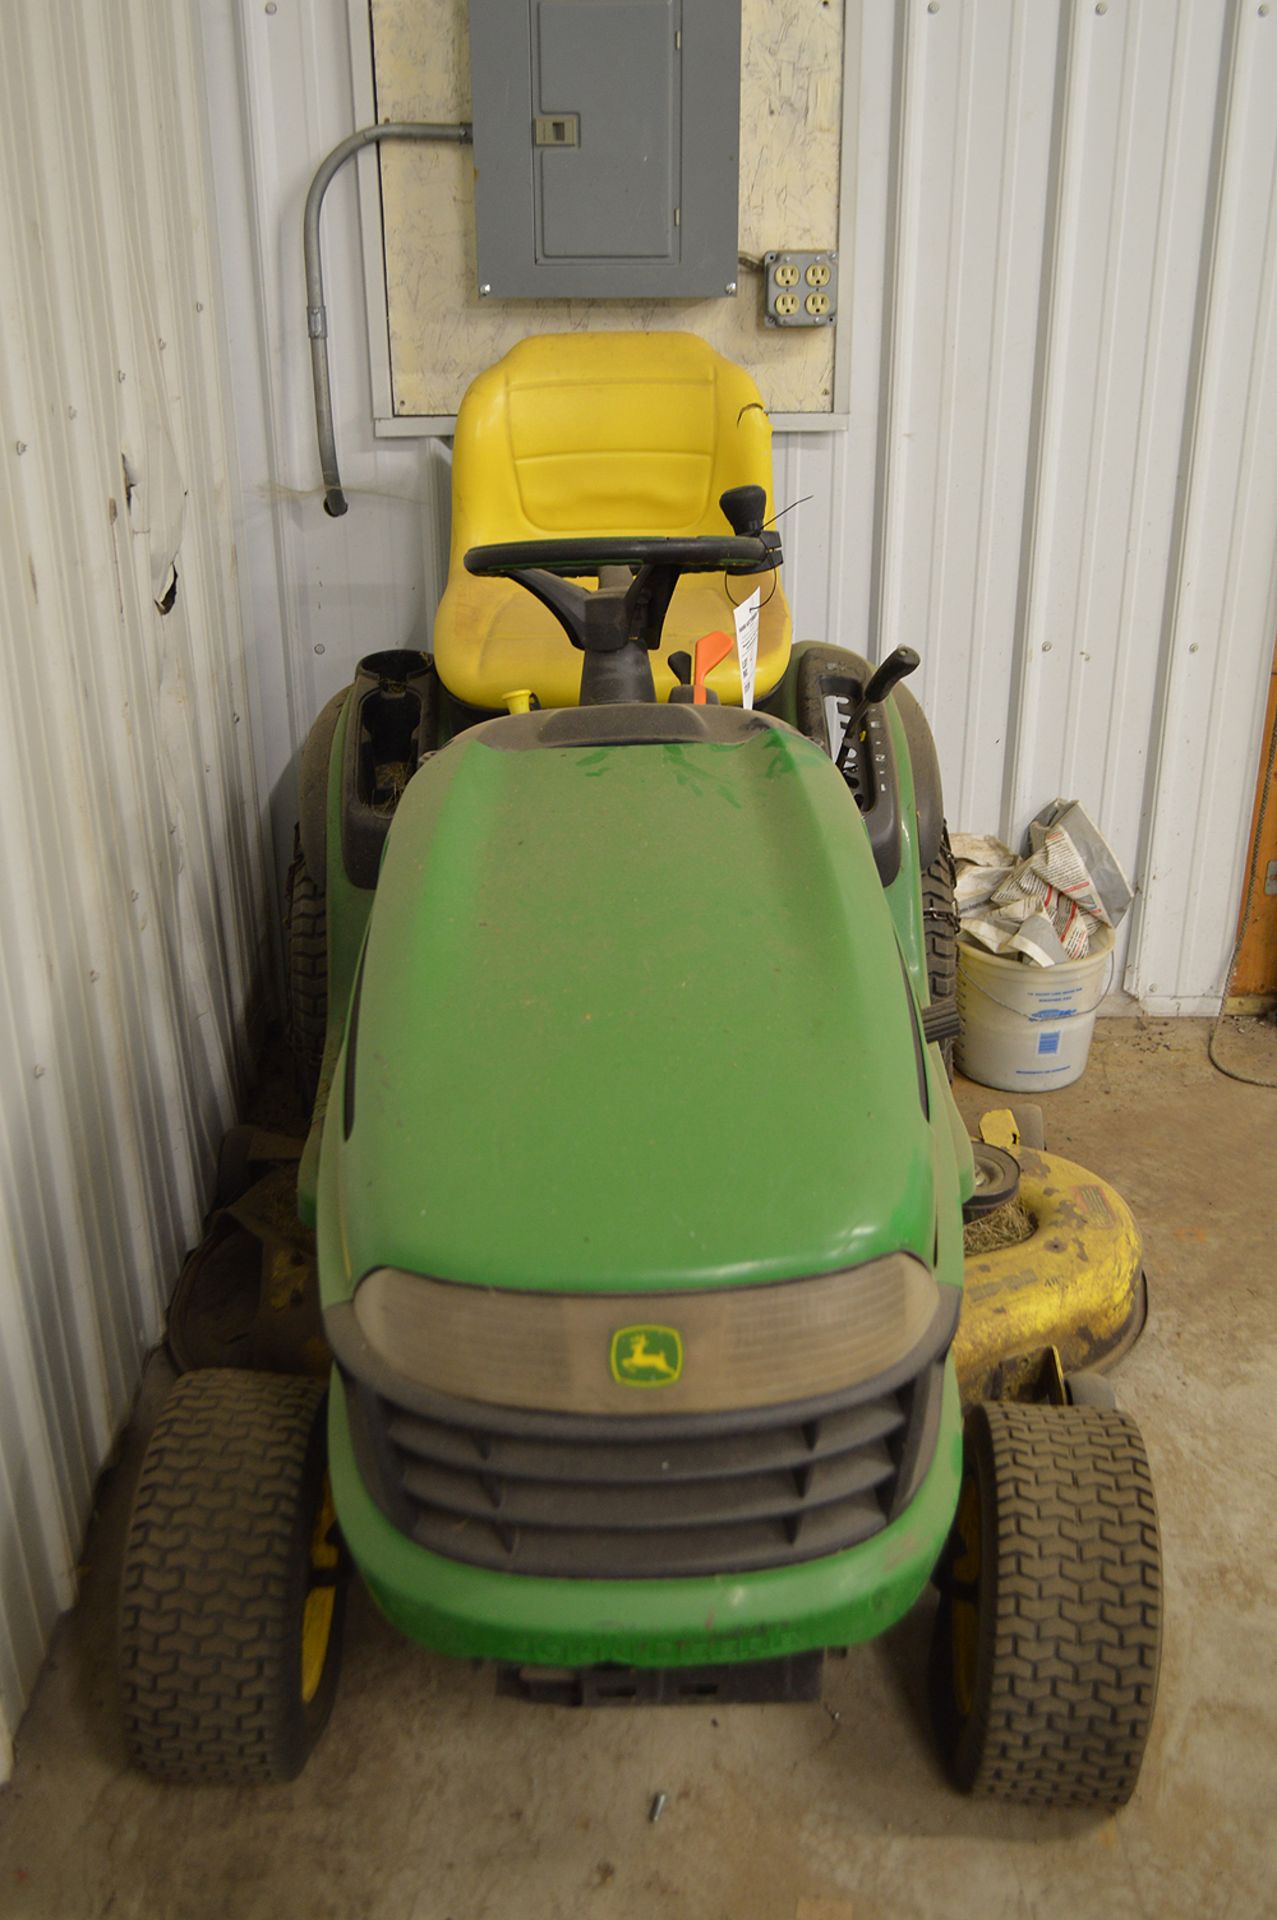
[710,649]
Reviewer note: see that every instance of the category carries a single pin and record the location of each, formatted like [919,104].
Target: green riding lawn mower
[637,1181]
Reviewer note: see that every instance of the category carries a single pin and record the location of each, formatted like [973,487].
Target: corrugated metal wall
[132,900]
[1058,481]
[322,592]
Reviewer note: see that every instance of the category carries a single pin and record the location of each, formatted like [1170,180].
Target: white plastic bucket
[1026,1027]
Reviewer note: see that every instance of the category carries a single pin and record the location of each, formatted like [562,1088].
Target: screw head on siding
[1046,646]
[19,446]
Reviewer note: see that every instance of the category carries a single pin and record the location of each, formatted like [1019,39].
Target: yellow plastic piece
[320,1603]
[590,434]
[520,701]
[1077,1285]
[998,1129]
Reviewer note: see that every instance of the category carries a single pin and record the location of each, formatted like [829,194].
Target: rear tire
[940,932]
[306,965]
[1045,1658]
[232,1594]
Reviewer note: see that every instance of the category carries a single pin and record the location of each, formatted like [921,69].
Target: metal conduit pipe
[335,502]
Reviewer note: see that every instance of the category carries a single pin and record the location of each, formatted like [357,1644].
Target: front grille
[590,1498]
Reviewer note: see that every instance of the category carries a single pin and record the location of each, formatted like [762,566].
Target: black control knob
[743,509]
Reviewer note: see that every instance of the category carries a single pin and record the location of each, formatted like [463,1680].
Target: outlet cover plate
[792,278]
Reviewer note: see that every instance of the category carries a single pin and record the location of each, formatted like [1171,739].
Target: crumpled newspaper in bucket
[1044,907]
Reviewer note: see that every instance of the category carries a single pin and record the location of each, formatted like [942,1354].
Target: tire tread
[306,962]
[940,931]
[1076,1616]
[208,1646]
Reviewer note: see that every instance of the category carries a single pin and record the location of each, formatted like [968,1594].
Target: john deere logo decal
[647,1356]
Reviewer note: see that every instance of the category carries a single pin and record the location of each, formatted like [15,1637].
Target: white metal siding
[132,897]
[1058,481]
[322,592]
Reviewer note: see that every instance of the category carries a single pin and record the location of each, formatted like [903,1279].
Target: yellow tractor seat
[588,434]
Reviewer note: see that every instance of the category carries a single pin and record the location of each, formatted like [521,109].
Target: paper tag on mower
[747,645]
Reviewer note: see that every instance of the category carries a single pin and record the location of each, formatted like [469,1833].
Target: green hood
[630,1017]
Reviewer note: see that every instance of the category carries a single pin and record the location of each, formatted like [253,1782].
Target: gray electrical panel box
[606,147]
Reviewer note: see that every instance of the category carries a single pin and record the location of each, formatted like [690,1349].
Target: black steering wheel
[620,623]
[750,547]
[699,553]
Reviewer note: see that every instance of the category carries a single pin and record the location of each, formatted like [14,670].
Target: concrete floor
[430,1799]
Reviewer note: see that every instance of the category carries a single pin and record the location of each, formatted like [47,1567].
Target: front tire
[1047,1643]
[232,1595]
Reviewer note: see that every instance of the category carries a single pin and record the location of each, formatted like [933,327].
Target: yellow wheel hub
[321,1596]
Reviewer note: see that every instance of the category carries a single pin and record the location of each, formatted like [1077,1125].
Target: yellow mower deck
[1076,1285]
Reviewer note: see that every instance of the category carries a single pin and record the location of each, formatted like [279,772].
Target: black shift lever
[894,668]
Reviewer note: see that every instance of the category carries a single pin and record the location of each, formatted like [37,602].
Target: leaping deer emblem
[647,1356]
[639,1358]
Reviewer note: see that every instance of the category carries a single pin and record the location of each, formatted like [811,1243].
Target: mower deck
[1077,1285]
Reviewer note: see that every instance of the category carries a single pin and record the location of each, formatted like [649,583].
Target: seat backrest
[597,433]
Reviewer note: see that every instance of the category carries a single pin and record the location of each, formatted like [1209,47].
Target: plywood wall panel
[442,333]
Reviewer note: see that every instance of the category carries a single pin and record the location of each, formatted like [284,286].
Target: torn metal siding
[132,897]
